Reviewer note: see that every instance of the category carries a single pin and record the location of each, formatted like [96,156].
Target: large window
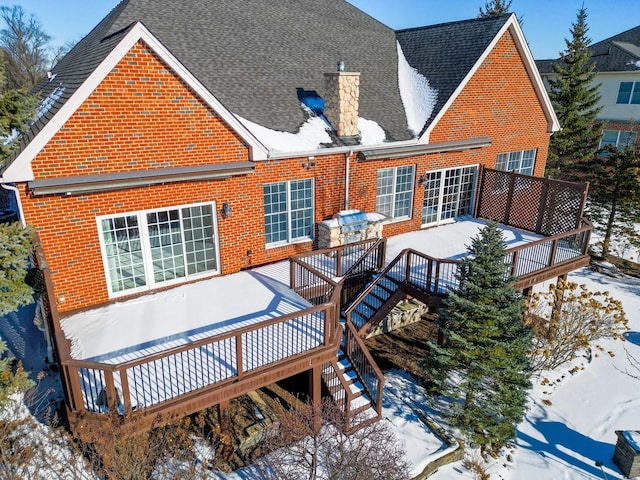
[142,250]
[629,92]
[288,211]
[617,138]
[394,192]
[448,194]
[521,161]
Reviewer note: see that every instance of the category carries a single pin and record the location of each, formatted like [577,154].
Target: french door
[448,194]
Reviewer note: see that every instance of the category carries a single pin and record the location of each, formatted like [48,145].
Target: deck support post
[561,283]
[226,439]
[316,396]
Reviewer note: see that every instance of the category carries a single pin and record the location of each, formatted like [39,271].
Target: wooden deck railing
[367,257]
[177,371]
[368,372]
[437,277]
[335,262]
[532,259]
[211,362]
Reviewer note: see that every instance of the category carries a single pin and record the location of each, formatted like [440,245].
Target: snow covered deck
[142,326]
[176,341]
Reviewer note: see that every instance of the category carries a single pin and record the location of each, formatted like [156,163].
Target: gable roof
[449,54]
[446,53]
[253,55]
[69,94]
[250,59]
[619,53]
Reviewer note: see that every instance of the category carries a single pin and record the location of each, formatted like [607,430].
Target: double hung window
[394,192]
[288,211]
[629,93]
[617,138]
[521,161]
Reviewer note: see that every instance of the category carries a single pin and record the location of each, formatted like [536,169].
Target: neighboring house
[176,144]
[617,66]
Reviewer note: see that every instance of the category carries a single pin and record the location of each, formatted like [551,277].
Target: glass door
[448,194]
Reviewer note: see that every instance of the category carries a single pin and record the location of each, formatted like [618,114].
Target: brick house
[617,72]
[179,145]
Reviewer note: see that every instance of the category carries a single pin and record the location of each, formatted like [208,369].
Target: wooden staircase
[346,390]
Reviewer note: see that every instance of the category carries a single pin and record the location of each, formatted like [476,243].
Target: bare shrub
[476,465]
[180,450]
[569,318]
[298,450]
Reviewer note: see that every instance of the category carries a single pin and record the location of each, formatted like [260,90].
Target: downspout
[18,201]
[346,179]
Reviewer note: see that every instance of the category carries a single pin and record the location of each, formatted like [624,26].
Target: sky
[546,23]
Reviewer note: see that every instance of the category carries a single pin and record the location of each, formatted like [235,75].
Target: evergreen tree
[15,248]
[482,365]
[11,382]
[614,191]
[494,8]
[575,99]
[16,111]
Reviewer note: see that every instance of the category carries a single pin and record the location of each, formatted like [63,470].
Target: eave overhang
[424,149]
[86,184]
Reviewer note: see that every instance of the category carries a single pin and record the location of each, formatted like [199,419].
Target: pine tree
[16,112]
[494,8]
[482,365]
[15,248]
[11,382]
[614,191]
[576,102]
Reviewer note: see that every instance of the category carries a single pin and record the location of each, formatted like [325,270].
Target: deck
[177,351]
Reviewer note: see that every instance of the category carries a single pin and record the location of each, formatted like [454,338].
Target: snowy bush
[569,318]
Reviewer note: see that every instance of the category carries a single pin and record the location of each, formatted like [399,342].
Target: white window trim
[519,169]
[634,88]
[289,240]
[441,195]
[403,218]
[146,250]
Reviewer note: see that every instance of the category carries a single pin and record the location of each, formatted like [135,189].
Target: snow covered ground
[571,423]
[569,426]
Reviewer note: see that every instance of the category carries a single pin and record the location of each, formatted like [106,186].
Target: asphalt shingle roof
[620,53]
[254,55]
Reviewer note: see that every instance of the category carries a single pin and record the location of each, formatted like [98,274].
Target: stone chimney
[342,99]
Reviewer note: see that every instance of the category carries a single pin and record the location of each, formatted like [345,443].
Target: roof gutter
[123,180]
[424,149]
[336,150]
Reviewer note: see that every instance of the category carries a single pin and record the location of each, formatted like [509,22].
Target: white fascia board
[20,169]
[511,24]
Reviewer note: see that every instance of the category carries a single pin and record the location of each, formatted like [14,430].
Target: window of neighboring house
[394,192]
[288,211]
[521,161]
[617,138]
[147,249]
[629,92]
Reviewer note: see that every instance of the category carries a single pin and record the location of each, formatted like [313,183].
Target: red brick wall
[143,116]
